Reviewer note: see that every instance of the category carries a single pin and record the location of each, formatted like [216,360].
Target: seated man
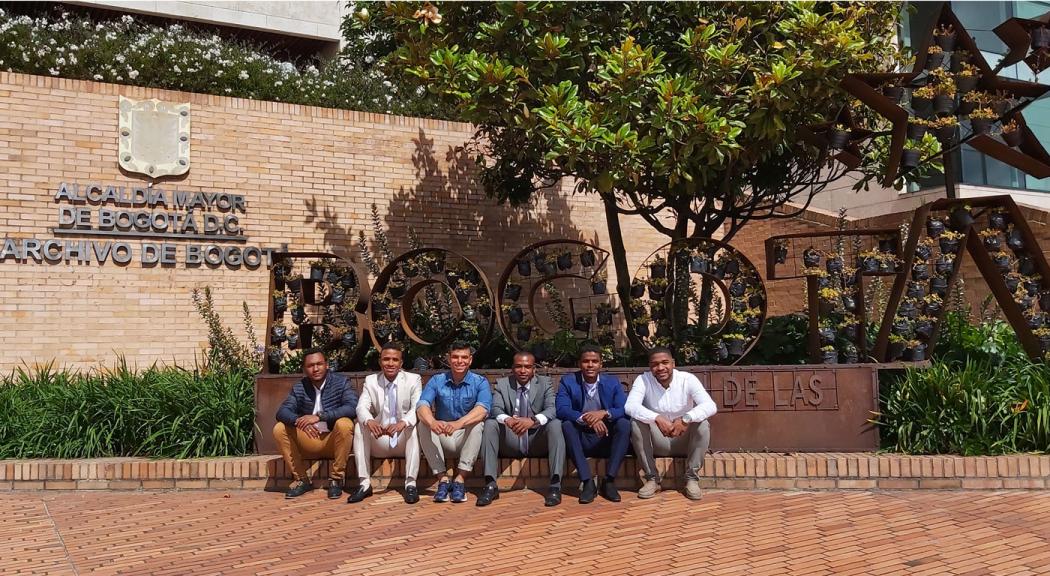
[522,423]
[316,421]
[450,410]
[669,411]
[590,407]
[386,422]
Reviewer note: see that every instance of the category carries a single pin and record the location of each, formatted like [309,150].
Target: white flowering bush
[174,57]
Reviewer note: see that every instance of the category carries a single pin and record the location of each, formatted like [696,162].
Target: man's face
[459,361]
[662,367]
[524,368]
[316,368]
[390,362]
[590,365]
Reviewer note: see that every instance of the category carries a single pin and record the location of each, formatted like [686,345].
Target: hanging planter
[943,105]
[298,315]
[850,331]
[656,291]
[523,332]
[658,269]
[869,264]
[397,290]
[721,353]
[642,330]
[732,267]
[828,355]
[1025,265]
[944,37]
[513,291]
[1015,240]
[934,60]
[823,281]
[849,355]
[754,301]
[834,265]
[699,265]
[923,251]
[349,280]
[915,290]
[827,335]
[737,288]
[348,339]
[278,334]
[598,288]
[848,303]
[295,283]
[524,268]
[893,92]
[907,310]
[944,265]
[919,271]
[949,245]
[991,241]
[564,261]
[753,324]
[274,357]
[436,264]
[810,258]
[999,220]
[966,83]
[338,296]
[945,133]
[410,269]
[924,329]
[939,286]
[280,303]
[637,290]
[1032,286]
[462,295]
[910,158]
[1002,261]
[980,125]
[916,352]
[961,218]
[484,309]
[780,252]
[901,326]
[894,349]
[1012,282]
[515,315]
[934,227]
[735,346]
[955,63]
[1025,303]
[604,316]
[587,258]
[838,138]
[933,307]
[582,323]
[916,129]
[317,272]
[293,340]
[1044,301]
[656,311]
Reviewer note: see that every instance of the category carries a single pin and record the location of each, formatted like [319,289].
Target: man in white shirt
[386,422]
[669,411]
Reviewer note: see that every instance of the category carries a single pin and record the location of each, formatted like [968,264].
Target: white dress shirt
[540,418]
[685,398]
[320,425]
[375,399]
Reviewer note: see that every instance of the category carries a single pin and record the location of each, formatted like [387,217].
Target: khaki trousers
[649,442]
[295,445]
[365,447]
[464,443]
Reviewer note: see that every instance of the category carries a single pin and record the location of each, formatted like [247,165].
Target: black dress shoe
[335,489]
[609,491]
[297,489]
[489,493]
[359,495]
[588,492]
[553,497]
[411,494]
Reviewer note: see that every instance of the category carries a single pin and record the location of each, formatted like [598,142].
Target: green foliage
[961,341]
[158,412]
[171,56]
[226,353]
[783,341]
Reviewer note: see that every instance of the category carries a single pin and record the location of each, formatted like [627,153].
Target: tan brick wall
[309,174]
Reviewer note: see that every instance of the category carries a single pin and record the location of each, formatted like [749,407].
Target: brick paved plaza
[729,532]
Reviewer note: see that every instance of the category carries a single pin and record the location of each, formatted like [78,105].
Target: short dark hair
[392,346]
[589,348]
[314,350]
[525,353]
[660,350]
[460,345]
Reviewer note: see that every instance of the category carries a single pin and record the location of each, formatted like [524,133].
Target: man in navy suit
[590,406]
[316,421]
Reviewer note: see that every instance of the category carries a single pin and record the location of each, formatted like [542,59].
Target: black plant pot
[1012,282]
[957,59]
[916,131]
[656,292]
[349,281]
[870,264]
[923,252]
[965,107]
[915,290]
[274,359]
[338,296]
[980,125]
[279,283]
[295,284]
[901,327]
[472,276]
[850,280]
[916,354]
[999,221]
[894,350]
[462,295]
[924,330]
[1015,241]
[1025,265]
[656,312]
[943,105]
[932,309]
[780,254]
[1032,287]
[732,267]
[810,258]
[907,310]
[1040,38]
[827,336]
[1002,262]
[823,281]
[699,265]
[605,317]
[278,334]
[850,357]
[919,271]
[524,268]
[755,300]
[934,227]
[961,219]
[838,139]
[515,315]
[298,315]
[920,103]
[410,269]
[934,61]
[637,290]
[348,339]
[849,303]
[587,258]
[316,273]
[945,134]
[753,324]
[948,246]
[641,330]
[735,346]
[834,265]
[737,288]
[1044,301]
[565,261]
[513,291]
[436,266]
[657,270]
[945,41]
[829,357]
[582,323]
[1026,304]
[992,243]
[966,84]
[280,304]
[485,310]
[849,332]
[1035,321]
[397,290]
[944,266]
[910,158]
[293,341]
[523,332]
[1001,107]
[452,277]
[1013,139]
[1044,343]
[893,93]
[598,288]
[719,351]
[939,286]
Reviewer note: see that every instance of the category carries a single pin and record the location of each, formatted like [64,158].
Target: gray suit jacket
[541,397]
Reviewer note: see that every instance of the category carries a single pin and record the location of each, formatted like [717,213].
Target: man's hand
[666,426]
[375,429]
[590,418]
[396,428]
[600,429]
[520,426]
[306,423]
[679,427]
[443,428]
[453,426]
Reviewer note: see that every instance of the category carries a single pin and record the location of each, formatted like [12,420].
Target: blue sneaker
[442,493]
[459,492]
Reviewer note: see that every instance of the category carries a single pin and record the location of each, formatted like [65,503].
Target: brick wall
[309,176]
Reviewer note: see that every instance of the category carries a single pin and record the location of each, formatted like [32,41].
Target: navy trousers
[581,442]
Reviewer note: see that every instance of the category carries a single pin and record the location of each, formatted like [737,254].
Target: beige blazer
[373,396]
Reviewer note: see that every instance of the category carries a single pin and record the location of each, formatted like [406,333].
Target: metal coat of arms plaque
[154,137]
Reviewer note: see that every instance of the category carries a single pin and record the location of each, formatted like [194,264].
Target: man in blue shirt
[590,406]
[451,411]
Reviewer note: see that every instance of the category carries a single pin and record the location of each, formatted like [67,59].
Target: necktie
[391,400]
[523,412]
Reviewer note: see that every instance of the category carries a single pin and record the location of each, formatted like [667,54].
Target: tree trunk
[623,274]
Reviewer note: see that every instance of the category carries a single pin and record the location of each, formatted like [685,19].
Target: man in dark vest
[590,406]
[316,421]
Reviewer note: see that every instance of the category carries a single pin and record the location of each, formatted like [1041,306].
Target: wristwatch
[687,418]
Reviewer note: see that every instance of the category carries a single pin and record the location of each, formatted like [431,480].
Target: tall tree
[688,115]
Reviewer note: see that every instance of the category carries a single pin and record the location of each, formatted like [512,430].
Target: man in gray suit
[522,423]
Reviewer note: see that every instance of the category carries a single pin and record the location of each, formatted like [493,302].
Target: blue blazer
[338,400]
[569,401]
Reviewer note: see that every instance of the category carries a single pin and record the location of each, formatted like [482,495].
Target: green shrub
[160,412]
[784,340]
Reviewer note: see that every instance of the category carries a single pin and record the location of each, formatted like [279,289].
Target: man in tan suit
[386,422]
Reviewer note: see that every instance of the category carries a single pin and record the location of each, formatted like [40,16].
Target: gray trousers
[649,442]
[464,444]
[546,440]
